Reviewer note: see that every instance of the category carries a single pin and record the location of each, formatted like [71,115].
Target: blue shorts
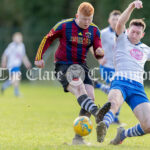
[106,73]
[15,69]
[132,91]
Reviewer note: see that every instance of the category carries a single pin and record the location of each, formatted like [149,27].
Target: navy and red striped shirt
[74,42]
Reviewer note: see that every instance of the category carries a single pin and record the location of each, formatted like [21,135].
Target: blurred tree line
[34,18]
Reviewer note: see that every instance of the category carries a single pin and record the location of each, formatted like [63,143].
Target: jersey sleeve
[97,41]
[54,33]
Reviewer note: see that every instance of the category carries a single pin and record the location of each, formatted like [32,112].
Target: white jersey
[108,37]
[129,59]
[15,53]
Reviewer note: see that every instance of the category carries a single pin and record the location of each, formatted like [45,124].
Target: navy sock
[87,104]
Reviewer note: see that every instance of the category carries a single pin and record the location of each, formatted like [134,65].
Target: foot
[101,130]
[102,111]
[78,140]
[2,91]
[117,140]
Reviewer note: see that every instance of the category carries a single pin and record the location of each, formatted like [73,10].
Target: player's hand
[138,4]
[99,53]
[39,64]
[103,61]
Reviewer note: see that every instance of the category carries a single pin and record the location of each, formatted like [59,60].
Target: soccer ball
[82,126]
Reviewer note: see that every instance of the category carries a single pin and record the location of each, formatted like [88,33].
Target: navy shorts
[63,80]
[132,91]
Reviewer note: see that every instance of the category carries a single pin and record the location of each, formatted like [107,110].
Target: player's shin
[87,104]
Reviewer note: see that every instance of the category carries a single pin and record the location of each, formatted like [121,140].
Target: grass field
[42,120]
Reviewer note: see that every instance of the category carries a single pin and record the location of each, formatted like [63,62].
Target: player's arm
[7,51]
[26,62]
[4,61]
[97,45]
[120,27]
[101,61]
[54,33]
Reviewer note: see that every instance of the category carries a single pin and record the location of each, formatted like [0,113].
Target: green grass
[42,120]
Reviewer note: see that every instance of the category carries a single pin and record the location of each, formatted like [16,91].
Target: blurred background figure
[12,59]
[106,64]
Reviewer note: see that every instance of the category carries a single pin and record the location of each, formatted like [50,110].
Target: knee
[115,105]
[80,89]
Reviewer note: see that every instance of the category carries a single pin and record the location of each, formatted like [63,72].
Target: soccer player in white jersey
[130,57]
[108,36]
[107,70]
[12,59]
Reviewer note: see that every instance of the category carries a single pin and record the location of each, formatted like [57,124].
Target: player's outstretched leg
[131,132]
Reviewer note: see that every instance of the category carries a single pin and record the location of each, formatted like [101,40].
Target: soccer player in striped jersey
[76,35]
[130,55]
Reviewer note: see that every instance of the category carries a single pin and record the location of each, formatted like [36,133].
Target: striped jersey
[74,42]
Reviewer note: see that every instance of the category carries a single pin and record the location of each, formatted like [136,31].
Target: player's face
[135,34]
[113,21]
[17,38]
[84,21]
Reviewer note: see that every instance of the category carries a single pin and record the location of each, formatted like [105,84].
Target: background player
[107,70]
[12,58]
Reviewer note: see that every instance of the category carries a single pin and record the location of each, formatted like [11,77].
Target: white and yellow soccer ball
[82,126]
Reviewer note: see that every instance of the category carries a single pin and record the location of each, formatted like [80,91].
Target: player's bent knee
[79,89]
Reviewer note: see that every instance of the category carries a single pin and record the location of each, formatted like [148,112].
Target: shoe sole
[102,111]
[101,130]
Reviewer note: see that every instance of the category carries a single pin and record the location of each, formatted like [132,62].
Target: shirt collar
[111,30]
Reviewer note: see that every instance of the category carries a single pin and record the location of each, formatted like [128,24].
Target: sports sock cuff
[82,98]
